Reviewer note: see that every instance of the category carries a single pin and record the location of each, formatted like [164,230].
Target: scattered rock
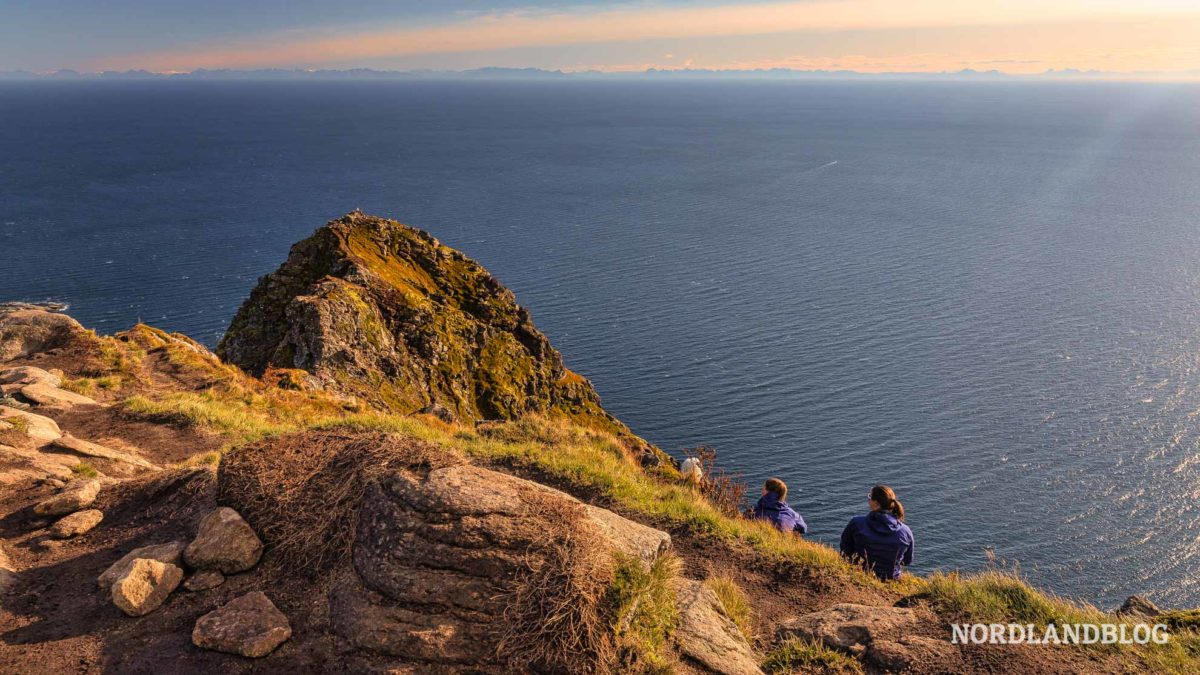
[23,375]
[43,394]
[224,542]
[852,627]
[76,524]
[250,626]
[707,635]
[27,331]
[144,586]
[39,428]
[89,449]
[204,580]
[168,553]
[77,496]
[1136,605]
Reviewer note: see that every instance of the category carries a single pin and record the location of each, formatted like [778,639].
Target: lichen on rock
[387,314]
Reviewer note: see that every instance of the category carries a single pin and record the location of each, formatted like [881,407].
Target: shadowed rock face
[383,312]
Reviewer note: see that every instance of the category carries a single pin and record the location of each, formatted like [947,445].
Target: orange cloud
[537,29]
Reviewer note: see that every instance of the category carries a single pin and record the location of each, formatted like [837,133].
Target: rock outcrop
[249,626]
[224,542]
[26,330]
[888,637]
[706,635]
[485,530]
[385,313]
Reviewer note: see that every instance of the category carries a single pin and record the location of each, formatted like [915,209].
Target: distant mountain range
[538,73]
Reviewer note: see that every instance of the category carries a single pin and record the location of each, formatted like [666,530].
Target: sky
[1013,36]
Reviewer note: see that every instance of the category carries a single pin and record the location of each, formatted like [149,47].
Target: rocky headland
[386,467]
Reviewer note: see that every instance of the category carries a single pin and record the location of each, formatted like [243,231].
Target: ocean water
[984,294]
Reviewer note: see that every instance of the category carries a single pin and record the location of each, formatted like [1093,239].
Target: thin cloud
[513,30]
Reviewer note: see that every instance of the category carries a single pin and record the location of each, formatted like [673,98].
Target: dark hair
[885,497]
[776,486]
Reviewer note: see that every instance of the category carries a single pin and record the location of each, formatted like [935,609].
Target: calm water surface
[986,295]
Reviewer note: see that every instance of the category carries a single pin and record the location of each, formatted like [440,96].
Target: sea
[985,294]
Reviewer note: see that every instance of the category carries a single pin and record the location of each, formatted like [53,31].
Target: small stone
[250,626]
[204,580]
[224,542]
[89,449]
[75,497]
[168,553]
[144,586]
[77,523]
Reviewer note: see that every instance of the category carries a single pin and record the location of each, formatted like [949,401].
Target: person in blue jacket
[880,541]
[771,506]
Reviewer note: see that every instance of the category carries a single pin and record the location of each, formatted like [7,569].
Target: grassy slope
[201,392]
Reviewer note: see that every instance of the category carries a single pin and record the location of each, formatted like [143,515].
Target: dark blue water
[986,295]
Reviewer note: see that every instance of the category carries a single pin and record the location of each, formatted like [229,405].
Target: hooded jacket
[772,508]
[881,542]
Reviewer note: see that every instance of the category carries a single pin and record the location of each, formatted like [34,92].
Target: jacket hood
[770,502]
[883,522]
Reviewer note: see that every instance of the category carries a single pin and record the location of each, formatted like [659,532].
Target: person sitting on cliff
[880,541]
[773,507]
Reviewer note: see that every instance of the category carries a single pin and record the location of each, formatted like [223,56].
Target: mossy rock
[385,313]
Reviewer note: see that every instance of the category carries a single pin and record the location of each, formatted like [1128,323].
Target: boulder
[144,586]
[1136,605]
[43,394]
[23,375]
[80,522]
[249,625]
[39,428]
[706,635]
[79,446]
[168,553]
[852,627]
[224,542]
[28,331]
[204,580]
[77,496]
[486,530]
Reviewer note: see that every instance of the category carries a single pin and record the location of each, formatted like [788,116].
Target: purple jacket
[770,507]
[880,542]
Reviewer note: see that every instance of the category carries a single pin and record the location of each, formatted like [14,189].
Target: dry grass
[734,602]
[556,617]
[302,492]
